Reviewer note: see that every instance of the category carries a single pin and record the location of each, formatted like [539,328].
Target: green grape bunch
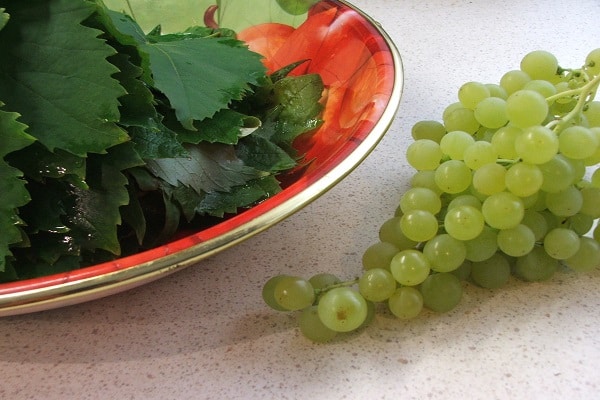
[505,184]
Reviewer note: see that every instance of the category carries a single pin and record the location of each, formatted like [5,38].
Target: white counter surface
[204,332]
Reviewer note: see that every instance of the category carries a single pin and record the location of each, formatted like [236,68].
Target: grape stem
[585,93]
[336,285]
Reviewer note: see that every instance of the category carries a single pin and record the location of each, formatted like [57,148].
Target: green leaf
[155,140]
[55,70]
[225,126]
[209,167]
[13,193]
[262,154]
[220,203]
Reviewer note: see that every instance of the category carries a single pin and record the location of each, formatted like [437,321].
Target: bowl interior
[363,76]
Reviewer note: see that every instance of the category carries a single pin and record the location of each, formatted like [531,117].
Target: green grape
[294,293]
[424,154]
[565,203]
[513,81]
[503,210]
[535,221]
[536,145]
[592,114]
[577,142]
[496,91]
[592,62]
[596,178]
[526,108]
[406,302]
[579,169]
[561,243]
[483,246]
[594,158]
[479,154]
[591,201]
[471,93]
[540,64]
[441,292]
[425,179]
[391,232]
[420,199]
[370,314]
[445,253]
[376,284]
[535,266]
[464,271]
[587,257]
[523,179]
[552,221]
[491,273]
[581,223]
[296,7]
[453,176]
[491,112]
[454,144]
[410,267]
[543,87]
[419,225]
[558,174]
[461,119]
[503,142]
[490,179]
[464,222]
[465,200]
[268,292]
[313,328]
[432,130]
[450,109]
[531,201]
[379,255]
[323,280]
[596,233]
[342,309]
[516,241]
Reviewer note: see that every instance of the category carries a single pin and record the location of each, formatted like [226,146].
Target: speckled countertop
[204,333]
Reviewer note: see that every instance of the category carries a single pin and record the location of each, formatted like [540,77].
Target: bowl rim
[101,280]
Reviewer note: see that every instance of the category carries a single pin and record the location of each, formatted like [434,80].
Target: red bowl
[362,71]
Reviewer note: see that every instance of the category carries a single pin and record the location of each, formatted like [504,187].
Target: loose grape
[379,255]
[342,309]
[441,292]
[524,179]
[268,292]
[406,302]
[491,273]
[490,179]
[410,267]
[419,225]
[516,241]
[313,328]
[561,243]
[537,144]
[536,266]
[472,93]
[432,130]
[445,253]
[377,285]
[454,144]
[525,108]
[483,246]
[565,203]
[514,80]
[587,258]
[464,222]
[503,210]
[424,154]
[294,293]
[540,64]
[491,112]
[453,176]
[420,199]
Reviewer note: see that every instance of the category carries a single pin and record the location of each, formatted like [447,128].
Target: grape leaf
[56,68]
[208,167]
[13,193]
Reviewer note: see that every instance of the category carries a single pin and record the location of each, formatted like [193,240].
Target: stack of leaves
[112,139]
